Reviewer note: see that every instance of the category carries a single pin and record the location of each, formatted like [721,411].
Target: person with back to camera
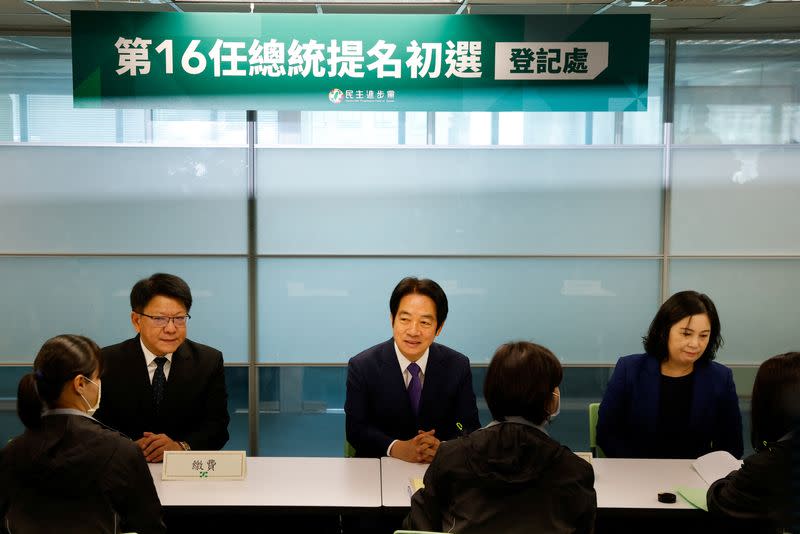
[764,495]
[510,477]
[673,401]
[67,472]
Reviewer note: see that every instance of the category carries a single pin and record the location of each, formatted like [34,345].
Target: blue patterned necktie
[159,381]
[414,387]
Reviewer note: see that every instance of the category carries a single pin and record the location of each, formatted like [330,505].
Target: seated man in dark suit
[407,393]
[162,390]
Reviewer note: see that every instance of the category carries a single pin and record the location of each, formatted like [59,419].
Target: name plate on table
[193,465]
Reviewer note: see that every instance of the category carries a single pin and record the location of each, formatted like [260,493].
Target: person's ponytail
[29,404]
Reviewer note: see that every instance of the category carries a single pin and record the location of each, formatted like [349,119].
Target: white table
[286,483]
[396,478]
[633,483]
[620,483]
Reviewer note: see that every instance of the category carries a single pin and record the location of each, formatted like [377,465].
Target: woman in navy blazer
[673,401]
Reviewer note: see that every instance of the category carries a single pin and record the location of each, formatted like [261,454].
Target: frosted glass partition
[587,311]
[44,297]
[459,200]
[736,200]
[122,200]
[736,91]
[756,301]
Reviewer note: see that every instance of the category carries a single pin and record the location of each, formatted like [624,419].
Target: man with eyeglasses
[162,390]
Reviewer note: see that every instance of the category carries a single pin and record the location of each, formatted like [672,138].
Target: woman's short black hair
[520,381]
[775,406]
[166,285]
[60,360]
[424,286]
[679,306]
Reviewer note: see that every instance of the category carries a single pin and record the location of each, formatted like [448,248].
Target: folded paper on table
[715,465]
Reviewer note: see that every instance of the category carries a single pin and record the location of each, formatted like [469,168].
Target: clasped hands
[154,445]
[419,449]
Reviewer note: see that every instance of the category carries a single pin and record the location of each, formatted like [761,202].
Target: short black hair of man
[166,285]
[424,286]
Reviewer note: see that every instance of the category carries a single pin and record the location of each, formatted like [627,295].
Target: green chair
[349,451]
[594,410]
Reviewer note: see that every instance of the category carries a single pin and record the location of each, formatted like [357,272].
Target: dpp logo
[336,96]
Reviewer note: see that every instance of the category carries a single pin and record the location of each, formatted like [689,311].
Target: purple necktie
[414,387]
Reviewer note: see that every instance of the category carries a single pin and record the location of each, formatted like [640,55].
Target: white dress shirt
[150,359]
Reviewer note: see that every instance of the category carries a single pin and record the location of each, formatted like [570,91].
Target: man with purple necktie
[406,394]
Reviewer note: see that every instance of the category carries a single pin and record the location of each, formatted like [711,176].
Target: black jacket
[195,405]
[73,475]
[762,496]
[508,478]
[377,409]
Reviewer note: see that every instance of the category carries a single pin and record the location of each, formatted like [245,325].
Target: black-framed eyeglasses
[161,321]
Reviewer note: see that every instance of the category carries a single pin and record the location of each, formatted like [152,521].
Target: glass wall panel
[10,425]
[459,201]
[43,297]
[463,128]
[646,128]
[735,201]
[198,127]
[36,80]
[315,310]
[52,118]
[756,300]
[416,128]
[123,200]
[737,91]
[349,128]
[236,382]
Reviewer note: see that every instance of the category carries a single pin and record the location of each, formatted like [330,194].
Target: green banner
[360,62]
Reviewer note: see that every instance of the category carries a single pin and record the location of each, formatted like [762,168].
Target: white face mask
[558,406]
[91,409]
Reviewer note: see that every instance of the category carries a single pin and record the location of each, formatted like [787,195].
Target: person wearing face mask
[673,401]
[510,476]
[67,472]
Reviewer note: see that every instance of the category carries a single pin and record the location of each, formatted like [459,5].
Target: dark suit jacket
[377,407]
[195,404]
[627,425]
[762,496]
[509,478]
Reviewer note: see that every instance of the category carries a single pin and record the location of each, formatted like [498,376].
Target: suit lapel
[434,378]
[140,386]
[180,372]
